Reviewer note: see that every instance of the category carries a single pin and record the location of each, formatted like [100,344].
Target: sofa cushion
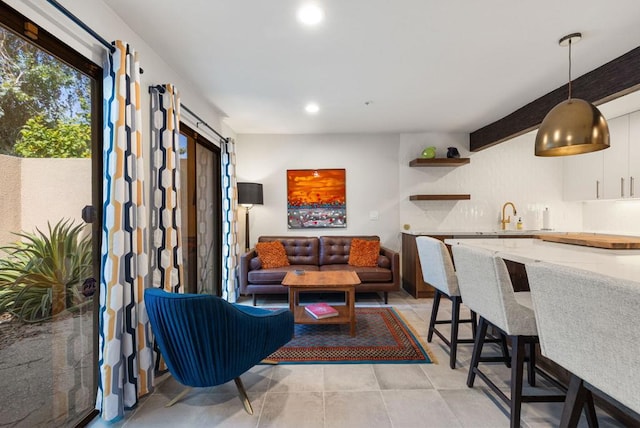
[335,249]
[366,274]
[275,275]
[272,254]
[364,253]
[301,250]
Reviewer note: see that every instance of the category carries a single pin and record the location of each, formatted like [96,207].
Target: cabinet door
[634,155]
[616,160]
[583,177]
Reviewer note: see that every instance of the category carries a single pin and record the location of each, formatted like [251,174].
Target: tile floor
[350,395]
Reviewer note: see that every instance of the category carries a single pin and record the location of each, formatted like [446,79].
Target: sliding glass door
[50,170]
[201,212]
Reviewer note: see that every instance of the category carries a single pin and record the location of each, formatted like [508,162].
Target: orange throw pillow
[272,254]
[364,253]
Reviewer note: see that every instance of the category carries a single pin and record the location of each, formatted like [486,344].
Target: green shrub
[41,275]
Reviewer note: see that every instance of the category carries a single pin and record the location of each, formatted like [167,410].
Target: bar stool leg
[531,364]
[505,350]
[517,368]
[477,351]
[434,314]
[474,323]
[590,411]
[577,398]
[455,321]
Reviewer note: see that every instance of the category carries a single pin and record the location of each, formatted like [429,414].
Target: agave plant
[40,275]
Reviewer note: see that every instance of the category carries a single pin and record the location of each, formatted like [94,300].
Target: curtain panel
[229,220]
[166,253]
[125,352]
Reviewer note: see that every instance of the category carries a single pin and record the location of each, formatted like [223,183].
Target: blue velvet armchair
[207,341]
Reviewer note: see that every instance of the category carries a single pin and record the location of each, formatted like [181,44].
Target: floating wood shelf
[440,162]
[439,197]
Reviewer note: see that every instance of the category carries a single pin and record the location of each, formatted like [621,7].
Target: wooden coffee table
[315,281]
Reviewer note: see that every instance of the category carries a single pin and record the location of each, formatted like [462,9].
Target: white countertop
[479,233]
[624,264]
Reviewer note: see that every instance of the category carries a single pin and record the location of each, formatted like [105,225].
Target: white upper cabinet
[616,160]
[583,177]
[613,173]
[634,154]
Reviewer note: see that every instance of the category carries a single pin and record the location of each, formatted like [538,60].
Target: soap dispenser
[519,224]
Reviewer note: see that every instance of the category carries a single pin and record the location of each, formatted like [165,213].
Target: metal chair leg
[178,397]
[243,396]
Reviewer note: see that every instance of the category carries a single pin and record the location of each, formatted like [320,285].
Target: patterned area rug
[382,336]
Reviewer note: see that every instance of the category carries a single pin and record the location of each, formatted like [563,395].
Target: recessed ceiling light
[312,108]
[310,14]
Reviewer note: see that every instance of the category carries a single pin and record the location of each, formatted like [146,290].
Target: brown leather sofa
[320,254]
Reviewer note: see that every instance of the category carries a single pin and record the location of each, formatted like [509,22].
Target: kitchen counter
[480,233]
[412,278]
[624,264]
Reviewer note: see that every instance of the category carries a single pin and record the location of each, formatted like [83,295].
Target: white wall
[505,172]
[371,163]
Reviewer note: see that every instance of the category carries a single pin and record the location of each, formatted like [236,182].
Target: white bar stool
[587,324]
[485,287]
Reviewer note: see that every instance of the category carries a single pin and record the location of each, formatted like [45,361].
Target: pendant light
[574,126]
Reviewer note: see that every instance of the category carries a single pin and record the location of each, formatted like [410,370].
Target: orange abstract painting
[316,198]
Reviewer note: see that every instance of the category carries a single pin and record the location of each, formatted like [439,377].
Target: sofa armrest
[394,257]
[245,266]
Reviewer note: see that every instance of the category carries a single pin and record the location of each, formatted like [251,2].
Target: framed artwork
[316,198]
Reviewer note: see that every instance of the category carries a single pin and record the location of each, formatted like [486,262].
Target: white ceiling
[424,65]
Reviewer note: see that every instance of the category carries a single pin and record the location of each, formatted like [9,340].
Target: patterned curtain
[229,221]
[125,357]
[166,251]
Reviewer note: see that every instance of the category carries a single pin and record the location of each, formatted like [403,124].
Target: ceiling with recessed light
[378,65]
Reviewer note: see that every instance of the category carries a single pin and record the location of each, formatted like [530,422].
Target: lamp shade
[250,194]
[572,127]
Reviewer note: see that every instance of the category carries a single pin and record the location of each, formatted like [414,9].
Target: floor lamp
[249,194]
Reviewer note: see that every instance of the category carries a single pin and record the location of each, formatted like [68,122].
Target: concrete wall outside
[54,189]
[10,204]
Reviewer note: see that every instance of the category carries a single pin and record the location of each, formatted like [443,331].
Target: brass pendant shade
[574,126]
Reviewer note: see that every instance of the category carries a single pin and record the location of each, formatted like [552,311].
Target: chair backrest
[191,331]
[437,266]
[485,287]
[588,323]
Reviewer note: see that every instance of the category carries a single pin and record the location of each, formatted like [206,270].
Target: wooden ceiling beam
[612,80]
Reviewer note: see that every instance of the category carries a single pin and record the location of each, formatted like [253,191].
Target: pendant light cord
[569,68]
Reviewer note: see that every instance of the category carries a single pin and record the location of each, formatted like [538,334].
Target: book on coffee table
[321,310]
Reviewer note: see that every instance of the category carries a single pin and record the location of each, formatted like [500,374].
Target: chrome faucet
[504,220]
